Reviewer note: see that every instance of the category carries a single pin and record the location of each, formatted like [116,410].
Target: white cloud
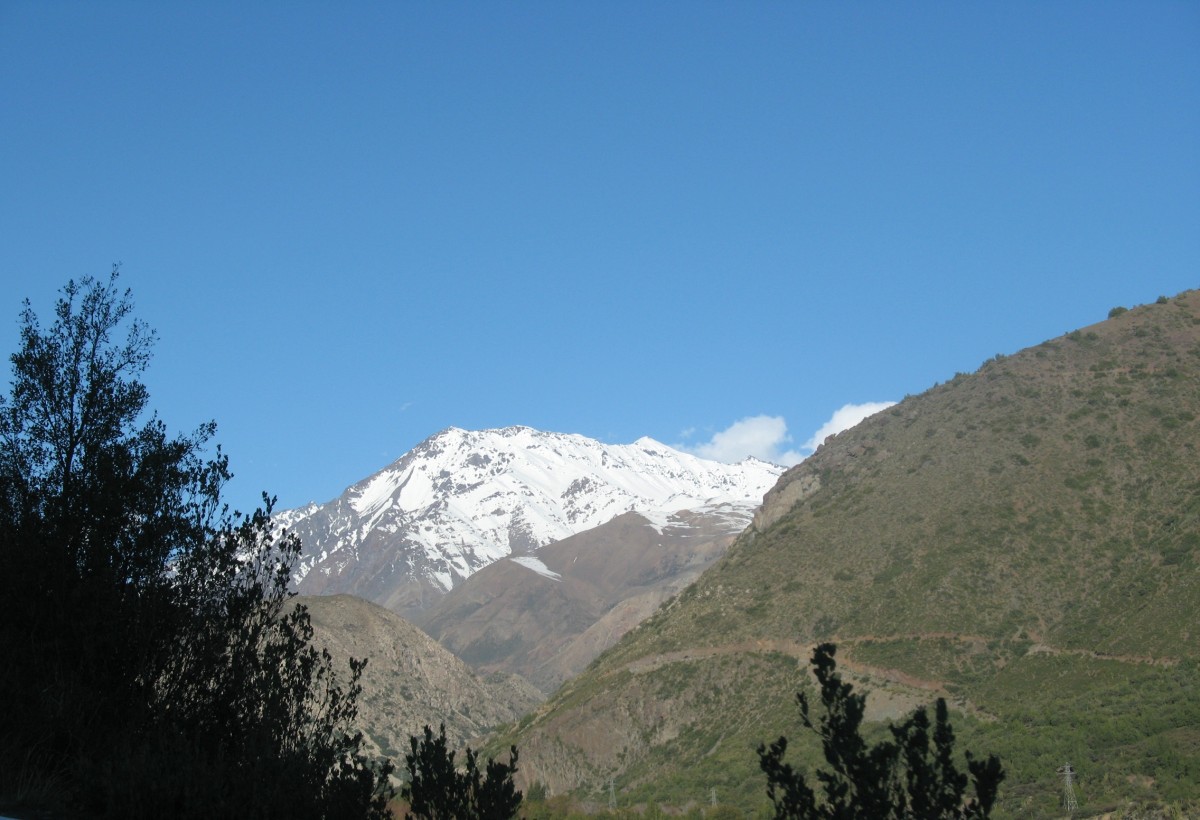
[767,438]
[763,437]
[844,418]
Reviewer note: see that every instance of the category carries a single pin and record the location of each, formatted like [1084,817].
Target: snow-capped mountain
[463,499]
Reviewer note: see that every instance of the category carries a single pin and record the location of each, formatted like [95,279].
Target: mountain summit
[463,499]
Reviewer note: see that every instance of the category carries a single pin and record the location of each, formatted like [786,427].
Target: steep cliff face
[795,485]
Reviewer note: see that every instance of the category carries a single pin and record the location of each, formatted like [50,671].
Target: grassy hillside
[1024,540]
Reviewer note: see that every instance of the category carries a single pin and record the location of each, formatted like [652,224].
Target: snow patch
[377,492]
[529,562]
[658,520]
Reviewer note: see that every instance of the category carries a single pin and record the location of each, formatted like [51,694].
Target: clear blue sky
[356,224]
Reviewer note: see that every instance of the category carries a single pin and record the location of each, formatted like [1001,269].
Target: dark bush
[152,666]
[437,790]
[900,778]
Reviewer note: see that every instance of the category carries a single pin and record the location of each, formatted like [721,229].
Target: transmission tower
[1068,779]
[612,795]
[713,795]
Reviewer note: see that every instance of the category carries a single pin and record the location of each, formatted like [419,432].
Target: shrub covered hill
[1023,540]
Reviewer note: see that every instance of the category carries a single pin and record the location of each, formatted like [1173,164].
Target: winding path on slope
[858,670]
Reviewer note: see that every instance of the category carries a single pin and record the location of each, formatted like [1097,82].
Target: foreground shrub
[152,667]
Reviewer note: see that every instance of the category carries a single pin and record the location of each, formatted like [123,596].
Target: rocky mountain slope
[463,499]
[1024,540]
[410,680]
[547,614]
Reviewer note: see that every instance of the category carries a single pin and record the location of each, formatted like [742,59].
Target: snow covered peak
[465,469]
[462,499]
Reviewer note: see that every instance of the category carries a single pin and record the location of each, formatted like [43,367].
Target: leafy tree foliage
[152,666]
[898,778]
[437,790]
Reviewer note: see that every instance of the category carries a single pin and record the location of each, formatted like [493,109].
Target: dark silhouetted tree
[438,790]
[898,778]
[152,666]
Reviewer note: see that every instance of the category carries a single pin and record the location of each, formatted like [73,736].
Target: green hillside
[1024,540]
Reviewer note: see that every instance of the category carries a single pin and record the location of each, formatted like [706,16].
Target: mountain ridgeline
[462,500]
[1023,540]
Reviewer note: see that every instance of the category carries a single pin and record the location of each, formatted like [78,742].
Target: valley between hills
[1023,540]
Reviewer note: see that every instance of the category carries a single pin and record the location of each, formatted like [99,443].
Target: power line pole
[713,796]
[612,795]
[1068,779]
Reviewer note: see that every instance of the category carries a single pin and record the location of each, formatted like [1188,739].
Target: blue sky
[354,225]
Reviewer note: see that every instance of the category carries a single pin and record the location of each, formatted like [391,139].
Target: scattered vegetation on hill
[1022,541]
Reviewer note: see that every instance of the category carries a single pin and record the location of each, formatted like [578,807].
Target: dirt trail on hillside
[800,651]
[1040,647]
[898,695]
[803,652]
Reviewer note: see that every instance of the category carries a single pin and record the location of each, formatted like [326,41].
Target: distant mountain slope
[463,499]
[547,614]
[410,680]
[1024,540]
